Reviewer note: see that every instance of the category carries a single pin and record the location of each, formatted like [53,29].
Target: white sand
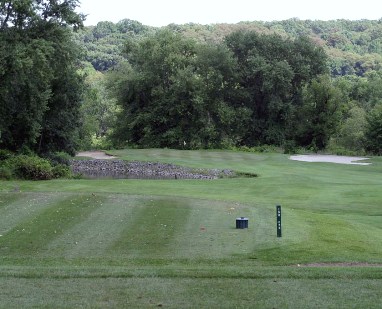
[95,155]
[330,159]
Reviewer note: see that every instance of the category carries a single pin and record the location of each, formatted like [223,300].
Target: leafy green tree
[320,116]
[61,122]
[99,110]
[273,71]
[103,29]
[40,90]
[150,102]
[222,114]
[179,94]
[363,91]
[22,14]
[373,132]
[132,27]
[25,88]
[352,131]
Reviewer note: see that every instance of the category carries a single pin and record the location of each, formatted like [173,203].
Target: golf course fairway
[139,243]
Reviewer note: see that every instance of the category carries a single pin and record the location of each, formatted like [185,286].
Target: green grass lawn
[173,243]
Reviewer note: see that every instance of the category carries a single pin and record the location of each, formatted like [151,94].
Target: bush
[31,167]
[5,173]
[342,151]
[290,147]
[59,158]
[5,154]
[260,149]
[102,142]
[61,171]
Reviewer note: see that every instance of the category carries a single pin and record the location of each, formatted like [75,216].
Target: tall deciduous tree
[61,122]
[25,88]
[40,91]
[320,116]
[352,131]
[178,94]
[23,14]
[99,110]
[223,115]
[273,72]
[152,107]
[374,130]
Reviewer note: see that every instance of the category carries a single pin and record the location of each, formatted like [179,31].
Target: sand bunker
[330,159]
[95,155]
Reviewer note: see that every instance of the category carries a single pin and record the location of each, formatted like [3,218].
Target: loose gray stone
[143,170]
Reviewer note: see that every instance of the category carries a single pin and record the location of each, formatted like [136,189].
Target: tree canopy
[40,91]
[271,83]
[23,14]
[293,82]
[246,90]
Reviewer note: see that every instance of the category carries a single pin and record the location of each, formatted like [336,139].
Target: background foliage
[185,86]
[248,84]
[41,90]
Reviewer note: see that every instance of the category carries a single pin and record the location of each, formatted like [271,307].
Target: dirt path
[95,155]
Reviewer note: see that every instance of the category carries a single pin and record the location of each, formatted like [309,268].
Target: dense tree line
[249,90]
[40,90]
[299,83]
[353,47]
[290,83]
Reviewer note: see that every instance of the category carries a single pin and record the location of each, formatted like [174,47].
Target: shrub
[290,147]
[31,167]
[57,158]
[260,149]
[61,171]
[102,142]
[5,172]
[5,154]
[342,151]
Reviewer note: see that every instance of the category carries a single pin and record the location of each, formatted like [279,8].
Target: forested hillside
[292,84]
[326,72]
[354,47]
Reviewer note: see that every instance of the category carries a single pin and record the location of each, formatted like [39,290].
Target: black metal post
[278,214]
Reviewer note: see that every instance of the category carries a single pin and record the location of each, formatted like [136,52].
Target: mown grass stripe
[210,231]
[7,198]
[152,228]
[19,207]
[323,238]
[32,236]
[195,270]
[92,236]
[191,293]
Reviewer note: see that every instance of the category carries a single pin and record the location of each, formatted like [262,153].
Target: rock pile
[143,170]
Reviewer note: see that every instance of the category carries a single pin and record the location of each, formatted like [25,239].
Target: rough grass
[173,243]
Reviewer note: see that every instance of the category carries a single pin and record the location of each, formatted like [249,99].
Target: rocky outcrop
[142,170]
